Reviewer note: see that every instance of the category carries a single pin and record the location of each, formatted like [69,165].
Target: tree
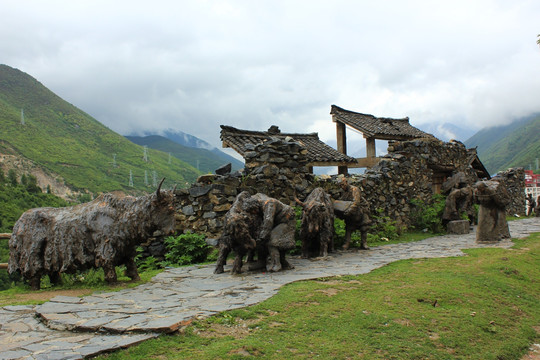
[32,185]
[12,177]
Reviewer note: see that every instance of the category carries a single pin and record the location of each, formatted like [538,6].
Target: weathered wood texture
[102,233]
[317,227]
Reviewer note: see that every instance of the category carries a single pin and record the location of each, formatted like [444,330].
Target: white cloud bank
[193,65]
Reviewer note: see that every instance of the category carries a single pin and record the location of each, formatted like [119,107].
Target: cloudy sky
[193,65]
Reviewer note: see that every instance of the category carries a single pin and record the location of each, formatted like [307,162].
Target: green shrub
[148,263]
[428,216]
[186,249]
[383,228]
[339,235]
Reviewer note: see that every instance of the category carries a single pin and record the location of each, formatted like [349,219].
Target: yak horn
[158,191]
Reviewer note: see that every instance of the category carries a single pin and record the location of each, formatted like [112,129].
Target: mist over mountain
[209,155]
[513,145]
[449,131]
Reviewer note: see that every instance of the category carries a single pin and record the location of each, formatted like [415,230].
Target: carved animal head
[315,213]
[161,210]
[236,232]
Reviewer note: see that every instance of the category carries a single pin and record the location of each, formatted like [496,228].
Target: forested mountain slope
[203,159]
[38,126]
[514,145]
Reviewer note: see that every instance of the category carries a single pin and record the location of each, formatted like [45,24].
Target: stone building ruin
[318,153]
[373,128]
[281,166]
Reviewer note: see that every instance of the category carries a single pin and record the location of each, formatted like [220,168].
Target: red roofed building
[532,184]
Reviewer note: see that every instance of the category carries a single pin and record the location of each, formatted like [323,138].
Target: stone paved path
[74,328]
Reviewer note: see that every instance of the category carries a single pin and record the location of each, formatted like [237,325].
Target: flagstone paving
[74,328]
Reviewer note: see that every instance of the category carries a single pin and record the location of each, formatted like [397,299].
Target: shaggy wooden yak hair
[317,228]
[102,233]
[240,229]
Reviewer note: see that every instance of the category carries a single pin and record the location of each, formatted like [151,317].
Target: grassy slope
[482,306]
[515,145]
[70,143]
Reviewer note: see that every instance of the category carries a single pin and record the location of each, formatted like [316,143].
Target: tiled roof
[318,151]
[477,165]
[378,128]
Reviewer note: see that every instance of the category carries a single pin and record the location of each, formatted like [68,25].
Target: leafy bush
[148,263]
[383,228]
[186,249]
[339,235]
[428,216]
[298,248]
[90,277]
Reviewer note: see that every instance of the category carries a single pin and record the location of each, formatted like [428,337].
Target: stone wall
[278,168]
[407,172]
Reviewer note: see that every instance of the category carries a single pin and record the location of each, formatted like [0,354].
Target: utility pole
[22,116]
[154,178]
[114,160]
[146,177]
[130,178]
[145,155]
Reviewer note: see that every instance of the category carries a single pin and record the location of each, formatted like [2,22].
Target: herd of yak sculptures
[105,232]
[257,225]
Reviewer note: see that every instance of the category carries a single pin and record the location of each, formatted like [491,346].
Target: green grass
[482,306]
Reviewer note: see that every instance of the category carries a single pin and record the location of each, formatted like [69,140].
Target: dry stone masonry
[414,169]
[276,168]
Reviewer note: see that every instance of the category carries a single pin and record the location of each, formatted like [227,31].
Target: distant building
[532,184]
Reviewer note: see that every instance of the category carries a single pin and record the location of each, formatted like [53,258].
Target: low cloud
[138,66]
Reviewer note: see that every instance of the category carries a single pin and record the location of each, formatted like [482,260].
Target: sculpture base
[458,227]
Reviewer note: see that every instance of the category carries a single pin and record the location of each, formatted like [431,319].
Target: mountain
[513,145]
[46,133]
[201,158]
[194,142]
[188,140]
